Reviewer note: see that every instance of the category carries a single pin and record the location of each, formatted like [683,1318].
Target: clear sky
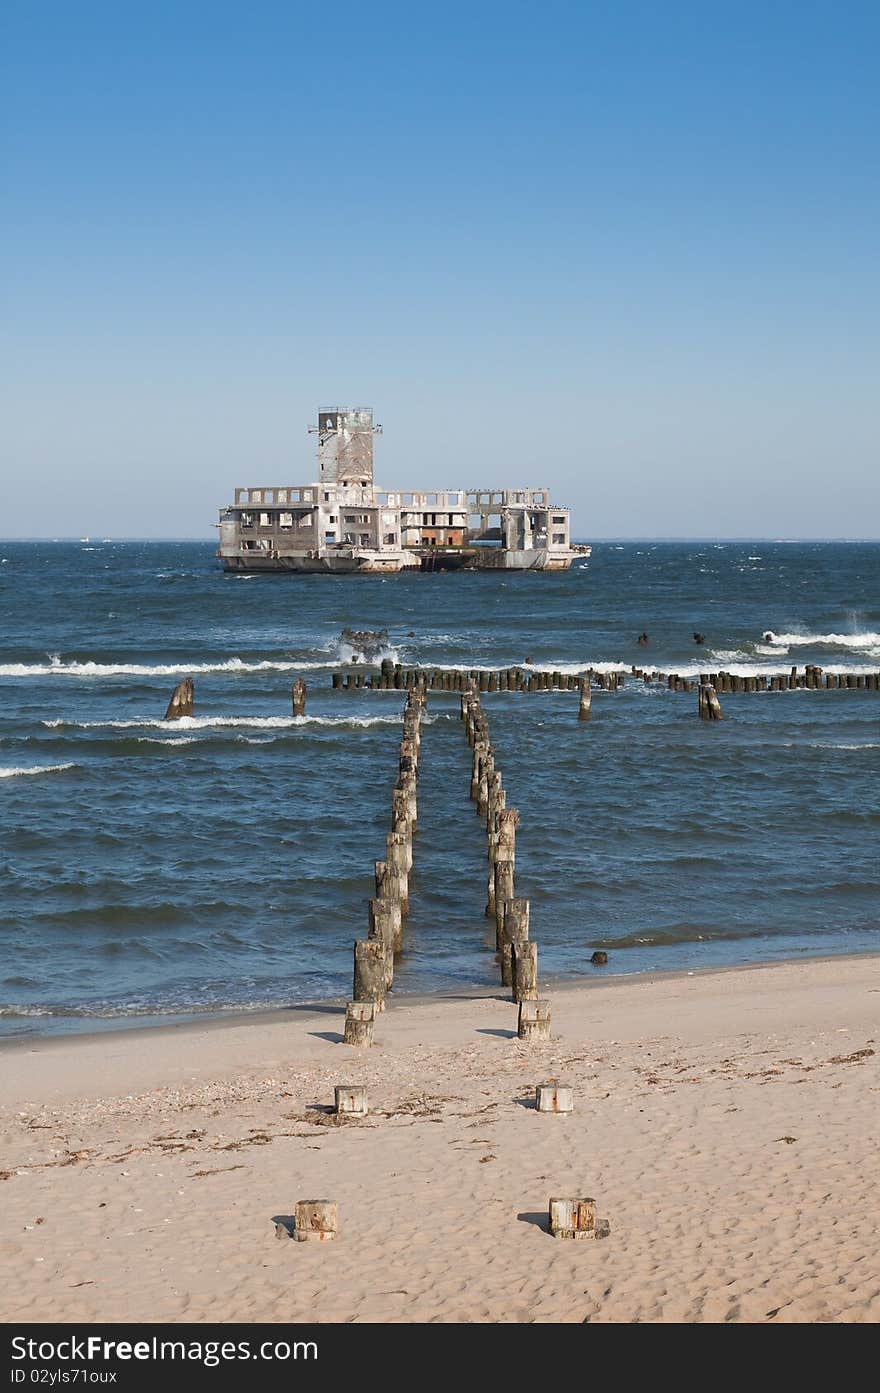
[626,249]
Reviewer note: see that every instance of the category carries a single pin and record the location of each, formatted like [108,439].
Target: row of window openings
[286,519]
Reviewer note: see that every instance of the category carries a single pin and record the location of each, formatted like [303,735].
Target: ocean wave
[212,722]
[567,669]
[834,745]
[102,1011]
[864,642]
[15,771]
[711,663]
[169,740]
[339,653]
[56,667]
[678,934]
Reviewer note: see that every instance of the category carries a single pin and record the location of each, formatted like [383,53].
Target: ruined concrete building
[344,523]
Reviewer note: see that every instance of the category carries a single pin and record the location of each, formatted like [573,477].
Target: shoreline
[226,1019]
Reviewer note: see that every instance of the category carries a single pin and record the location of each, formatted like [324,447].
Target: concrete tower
[345,446]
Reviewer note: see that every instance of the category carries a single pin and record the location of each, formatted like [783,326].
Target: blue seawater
[149,869]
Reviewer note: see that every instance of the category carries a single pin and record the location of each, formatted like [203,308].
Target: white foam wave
[215,722]
[862,642]
[346,653]
[569,669]
[73,668]
[15,771]
[832,745]
[169,740]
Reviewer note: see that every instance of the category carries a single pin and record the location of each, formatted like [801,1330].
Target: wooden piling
[399,852]
[351,1098]
[386,925]
[299,697]
[524,970]
[504,891]
[573,1218]
[315,1220]
[585,699]
[534,1020]
[369,972]
[708,705]
[359,1019]
[392,884]
[554,1097]
[182,700]
[515,929]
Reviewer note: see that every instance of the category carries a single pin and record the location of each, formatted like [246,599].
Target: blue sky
[629,250]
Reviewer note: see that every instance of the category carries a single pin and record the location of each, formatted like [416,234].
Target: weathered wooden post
[554,1097]
[504,886]
[182,700]
[392,884]
[502,847]
[351,1098]
[359,1018]
[534,1020]
[523,970]
[386,924]
[572,1218]
[369,972]
[515,929]
[716,714]
[399,853]
[299,697]
[508,821]
[316,1220]
[585,699]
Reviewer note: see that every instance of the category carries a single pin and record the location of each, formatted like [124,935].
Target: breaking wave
[15,771]
[866,642]
[57,667]
[213,722]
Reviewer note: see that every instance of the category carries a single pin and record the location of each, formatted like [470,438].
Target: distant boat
[85,539]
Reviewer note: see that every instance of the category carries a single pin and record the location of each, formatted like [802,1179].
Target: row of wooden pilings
[515,679]
[374,956]
[517,954]
[811,679]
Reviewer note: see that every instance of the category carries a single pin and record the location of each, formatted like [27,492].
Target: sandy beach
[726,1123]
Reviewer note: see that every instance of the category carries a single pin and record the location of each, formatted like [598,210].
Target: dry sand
[726,1123]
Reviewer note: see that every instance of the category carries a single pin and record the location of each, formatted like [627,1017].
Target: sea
[154,871]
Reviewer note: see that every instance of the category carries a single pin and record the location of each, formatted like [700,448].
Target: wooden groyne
[374,956]
[516,952]
[393,677]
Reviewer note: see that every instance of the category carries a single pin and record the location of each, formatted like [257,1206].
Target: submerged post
[299,697]
[585,699]
[708,705]
[182,700]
